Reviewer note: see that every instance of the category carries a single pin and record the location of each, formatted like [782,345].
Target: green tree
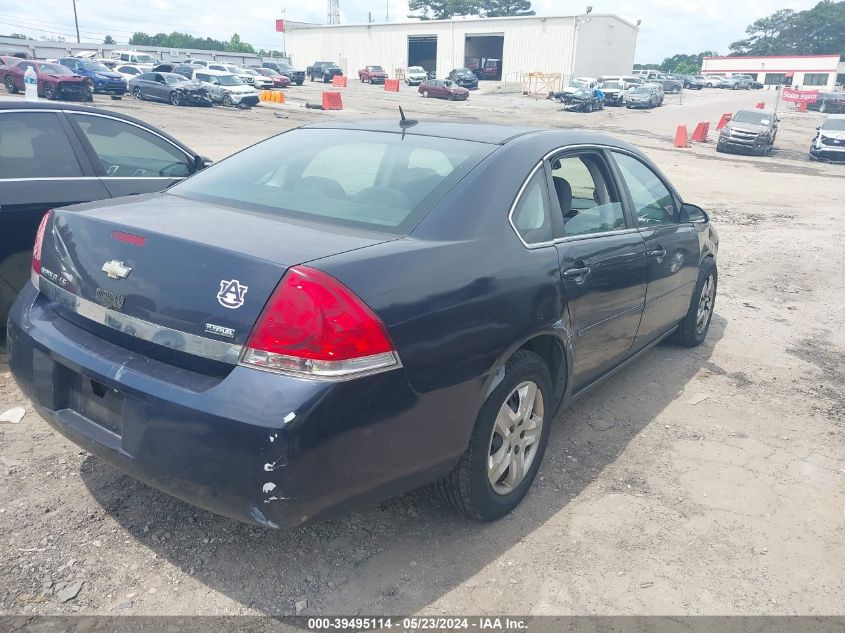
[442,9]
[816,31]
[685,64]
[504,8]
[109,40]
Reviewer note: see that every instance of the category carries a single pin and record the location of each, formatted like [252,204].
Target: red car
[54,80]
[279,80]
[372,74]
[443,89]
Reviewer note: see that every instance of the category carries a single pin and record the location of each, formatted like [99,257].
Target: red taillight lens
[314,325]
[36,247]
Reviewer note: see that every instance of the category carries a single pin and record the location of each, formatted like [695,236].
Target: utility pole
[76,22]
[333,12]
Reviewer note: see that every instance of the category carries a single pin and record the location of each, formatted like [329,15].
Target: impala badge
[116,270]
[231,294]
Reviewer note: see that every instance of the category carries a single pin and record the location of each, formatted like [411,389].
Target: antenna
[333,12]
[405,122]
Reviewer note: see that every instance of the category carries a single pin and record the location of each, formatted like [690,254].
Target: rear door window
[586,195]
[128,151]
[34,145]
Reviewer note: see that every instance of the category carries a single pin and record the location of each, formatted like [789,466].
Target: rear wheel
[136,92]
[425,94]
[11,88]
[693,329]
[507,443]
[227,100]
[588,108]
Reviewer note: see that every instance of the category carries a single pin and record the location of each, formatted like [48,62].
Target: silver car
[226,88]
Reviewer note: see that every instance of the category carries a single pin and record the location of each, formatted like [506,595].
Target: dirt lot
[705,481]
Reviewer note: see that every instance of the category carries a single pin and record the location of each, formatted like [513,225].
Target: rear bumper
[255,446]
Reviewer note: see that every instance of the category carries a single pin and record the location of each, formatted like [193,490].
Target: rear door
[42,166]
[129,158]
[602,261]
[671,245]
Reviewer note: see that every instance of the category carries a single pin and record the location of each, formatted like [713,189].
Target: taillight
[314,326]
[36,248]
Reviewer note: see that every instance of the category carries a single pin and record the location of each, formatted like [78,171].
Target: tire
[692,331]
[49,91]
[468,488]
[588,108]
[11,88]
[227,100]
[175,99]
[136,92]
[425,94]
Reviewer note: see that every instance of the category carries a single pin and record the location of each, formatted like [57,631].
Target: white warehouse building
[584,45]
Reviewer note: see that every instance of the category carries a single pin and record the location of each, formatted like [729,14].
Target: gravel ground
[705,481]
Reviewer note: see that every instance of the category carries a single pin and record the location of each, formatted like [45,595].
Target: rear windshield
[834,124]
[372,180]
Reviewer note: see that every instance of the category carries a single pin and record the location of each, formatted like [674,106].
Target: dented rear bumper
[255,446]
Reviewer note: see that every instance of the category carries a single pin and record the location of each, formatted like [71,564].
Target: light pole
[581,19]
[76,22]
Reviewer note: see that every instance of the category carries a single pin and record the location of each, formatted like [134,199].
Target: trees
[109,40]
[816,31]
[185,40]
[504,8]
[441,9]
[445,9]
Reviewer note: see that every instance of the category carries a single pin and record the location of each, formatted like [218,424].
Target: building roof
[293,25]
[770,56]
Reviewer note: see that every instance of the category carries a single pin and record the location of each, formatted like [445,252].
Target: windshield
[463,71]
[96,67]
[416,69]
[269,72]
[376,69]
[612,84]
[233,69]
[174,79]
[330,65]
[755,118]
[229,80]
[310,174]
[578,84]
[146,59]
[834,124]
[642,90]
[53,69]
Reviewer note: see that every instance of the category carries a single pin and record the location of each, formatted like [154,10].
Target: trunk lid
[159,266]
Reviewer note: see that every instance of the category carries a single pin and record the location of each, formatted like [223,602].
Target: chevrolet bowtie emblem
[116,270]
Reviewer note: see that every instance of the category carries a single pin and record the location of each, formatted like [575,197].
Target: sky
[668,26]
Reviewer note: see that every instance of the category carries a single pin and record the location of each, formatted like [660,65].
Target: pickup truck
[372,74]
[324,71]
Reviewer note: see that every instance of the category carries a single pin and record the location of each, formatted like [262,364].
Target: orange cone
[681,136]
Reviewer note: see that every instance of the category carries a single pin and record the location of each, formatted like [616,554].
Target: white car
[235,70]
[226,88]
[135,58]
[415,75]
[580,83]
[713,81]
[261,82]
[130,71]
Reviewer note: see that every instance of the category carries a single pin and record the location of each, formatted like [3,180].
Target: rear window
[374,180]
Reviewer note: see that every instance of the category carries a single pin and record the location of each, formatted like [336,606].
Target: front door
[671,245]
[602,262]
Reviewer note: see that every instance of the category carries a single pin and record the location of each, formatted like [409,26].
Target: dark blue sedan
[348,311]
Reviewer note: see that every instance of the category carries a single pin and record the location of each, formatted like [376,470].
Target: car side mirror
[201,162]
[693,213]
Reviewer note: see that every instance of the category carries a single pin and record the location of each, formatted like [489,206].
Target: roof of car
[478,132]
[835,116]
[208,71]
[18,103]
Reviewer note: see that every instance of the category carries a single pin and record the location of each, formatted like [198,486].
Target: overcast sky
[669,26]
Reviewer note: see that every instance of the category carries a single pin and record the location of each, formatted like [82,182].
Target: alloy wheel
[174,98]
[49,90]
[137,94]
[705,304]
[515,438]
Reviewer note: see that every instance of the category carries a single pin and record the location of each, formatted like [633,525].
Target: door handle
[575,273]
[658,254]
